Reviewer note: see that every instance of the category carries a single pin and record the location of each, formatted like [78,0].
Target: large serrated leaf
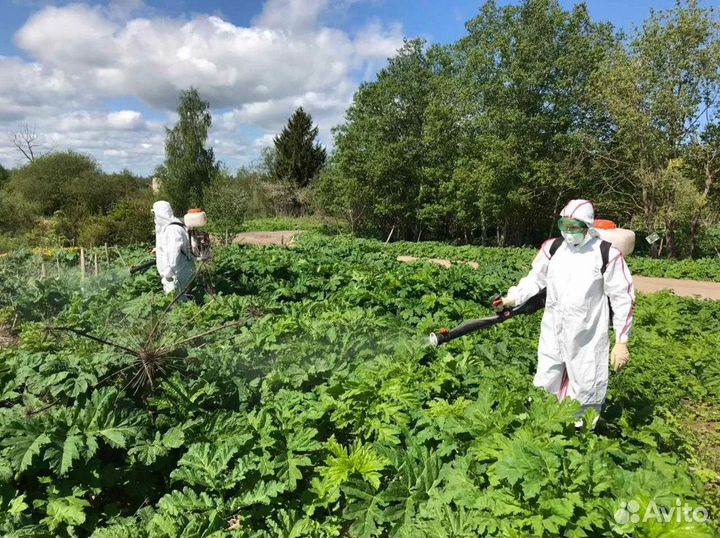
[33,450]
[72,446]
[65,510]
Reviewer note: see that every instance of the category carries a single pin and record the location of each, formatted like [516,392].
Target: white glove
[503,303]
[619,356]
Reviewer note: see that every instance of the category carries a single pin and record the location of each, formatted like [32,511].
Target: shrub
[18,213]
[47,179]
[226,203]
[129,222]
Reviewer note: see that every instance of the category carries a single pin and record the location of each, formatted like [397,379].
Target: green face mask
[572,230]
[573,238]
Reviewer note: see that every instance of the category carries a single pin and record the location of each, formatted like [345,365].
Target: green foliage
[189,165]
[379,151]
[50,180]
[20,214]
[298,156]
[4,175]
[327,414]
[127,223]
[485,140]
[316,224]
[226,202]
[662,87]
[86,205]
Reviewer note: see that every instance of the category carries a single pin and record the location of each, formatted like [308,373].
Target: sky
[103,77]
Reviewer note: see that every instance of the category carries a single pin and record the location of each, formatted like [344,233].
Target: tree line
[479,141]
[64,197]
[485,139]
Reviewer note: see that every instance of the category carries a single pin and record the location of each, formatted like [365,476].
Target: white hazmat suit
[173,258]
[574,336]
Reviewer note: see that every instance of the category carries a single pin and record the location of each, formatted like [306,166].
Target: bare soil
[684,288]
[283,237]
[7,336]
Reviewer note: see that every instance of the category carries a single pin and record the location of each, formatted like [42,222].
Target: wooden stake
[43,270]
[82,263]
[122,260]
[107,255]
[95,262]
[57,263]
[390,234]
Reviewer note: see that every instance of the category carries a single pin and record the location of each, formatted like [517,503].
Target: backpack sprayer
[195,220]
[199,248]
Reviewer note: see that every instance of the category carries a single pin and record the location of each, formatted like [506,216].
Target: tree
[48,180]
[380,151]
[657,91]
[487,138]
[226,202]
[189,165]
[4,175]
[298,156]
[338,194]
[704,164]
[520,105]
[24,141]
[19,213]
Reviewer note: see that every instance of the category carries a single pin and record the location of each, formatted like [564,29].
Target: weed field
[301,399]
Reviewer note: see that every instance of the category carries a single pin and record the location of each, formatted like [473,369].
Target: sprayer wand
[532,305]
[142,267]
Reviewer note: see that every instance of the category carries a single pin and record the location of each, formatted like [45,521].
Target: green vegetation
[298,156]
[520,258]
[189,164]
[64,198]
[311,224]
[292,164]
[323,412]
[481,141]
[484,140]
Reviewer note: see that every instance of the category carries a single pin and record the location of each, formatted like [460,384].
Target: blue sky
[102,77]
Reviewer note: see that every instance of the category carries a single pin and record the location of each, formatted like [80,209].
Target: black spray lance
[532,305]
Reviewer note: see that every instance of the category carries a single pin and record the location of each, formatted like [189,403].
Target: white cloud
[265,141]
[122,120]
[82,56]
[76,38]
[28,89]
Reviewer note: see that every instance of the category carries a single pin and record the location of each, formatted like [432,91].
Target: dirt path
[684,288]
[645,284]
[282,237]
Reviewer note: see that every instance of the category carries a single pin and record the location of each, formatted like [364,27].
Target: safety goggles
[571,225]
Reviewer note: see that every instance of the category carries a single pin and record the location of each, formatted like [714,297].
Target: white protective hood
[163,216]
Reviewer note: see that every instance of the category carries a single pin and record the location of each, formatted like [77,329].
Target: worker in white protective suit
[173,258]
[574,336]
